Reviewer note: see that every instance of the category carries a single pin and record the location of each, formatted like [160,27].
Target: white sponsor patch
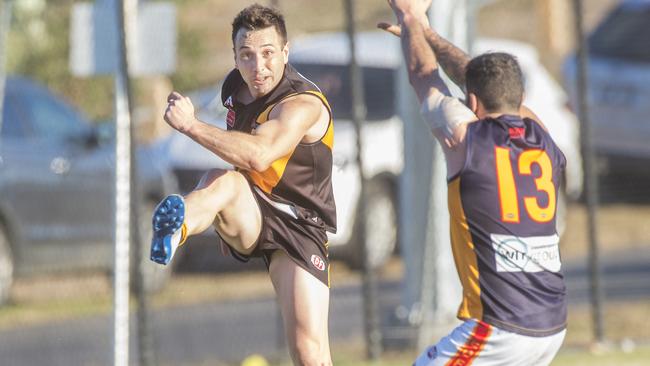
[318,262]
[529,254]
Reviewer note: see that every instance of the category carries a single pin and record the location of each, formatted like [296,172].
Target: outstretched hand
[180,112]
[417,8]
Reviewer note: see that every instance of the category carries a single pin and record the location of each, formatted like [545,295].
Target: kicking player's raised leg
[222,198]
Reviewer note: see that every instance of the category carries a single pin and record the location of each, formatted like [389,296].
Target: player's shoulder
[298,102]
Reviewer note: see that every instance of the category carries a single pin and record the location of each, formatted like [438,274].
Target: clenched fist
[180,112]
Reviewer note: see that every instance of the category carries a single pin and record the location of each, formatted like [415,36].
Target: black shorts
[304,241]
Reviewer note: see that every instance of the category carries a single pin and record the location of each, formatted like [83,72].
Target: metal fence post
[440,289]
[123,185]
[370,306]
[590,175]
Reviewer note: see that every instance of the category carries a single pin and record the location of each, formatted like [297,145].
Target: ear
[234,57]
[285,52]
[472,102]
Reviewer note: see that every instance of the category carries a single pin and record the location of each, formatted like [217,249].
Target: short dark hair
[496,80]
[257,17]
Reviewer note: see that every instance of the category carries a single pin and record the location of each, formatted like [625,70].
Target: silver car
[56,189]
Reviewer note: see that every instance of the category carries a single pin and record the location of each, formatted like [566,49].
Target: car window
[13,124]
[50,118]
[624,34]
[334,82]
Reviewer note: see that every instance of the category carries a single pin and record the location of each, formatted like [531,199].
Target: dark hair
[257,17]
[496,80]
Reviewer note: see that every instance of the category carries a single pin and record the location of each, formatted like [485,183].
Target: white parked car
[323,58]
[619,87]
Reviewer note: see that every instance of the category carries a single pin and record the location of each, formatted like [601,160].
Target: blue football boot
[168,228]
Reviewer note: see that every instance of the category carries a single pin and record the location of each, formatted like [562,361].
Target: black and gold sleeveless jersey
[502,209]
[302,180]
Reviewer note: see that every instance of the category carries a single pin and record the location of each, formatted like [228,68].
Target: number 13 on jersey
[508,194]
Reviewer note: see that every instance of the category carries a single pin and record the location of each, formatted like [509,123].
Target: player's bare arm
[424,76]
[421,62]
[290,121]
[454,61]
[451,58]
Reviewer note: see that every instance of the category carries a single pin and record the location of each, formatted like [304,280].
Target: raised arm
[446,116]
[421,62]
[452,59]
[287,125]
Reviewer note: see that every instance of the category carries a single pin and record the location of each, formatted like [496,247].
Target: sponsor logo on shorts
[318,262]
[526,254]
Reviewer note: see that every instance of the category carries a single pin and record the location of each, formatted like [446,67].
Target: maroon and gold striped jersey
[301,180]
[502,208]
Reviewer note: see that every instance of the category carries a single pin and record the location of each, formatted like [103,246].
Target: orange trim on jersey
[328,138]
[264,116]
[268,179]
[462,247]
[469,351]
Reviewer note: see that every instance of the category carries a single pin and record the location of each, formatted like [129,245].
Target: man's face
[260,56]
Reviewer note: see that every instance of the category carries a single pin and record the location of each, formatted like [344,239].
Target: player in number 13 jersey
[502,206]
[504,173]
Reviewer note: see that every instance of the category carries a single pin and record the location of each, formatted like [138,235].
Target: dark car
[618,90]
[57,190]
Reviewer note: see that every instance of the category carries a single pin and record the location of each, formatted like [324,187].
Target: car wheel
[380,221]
[6,267]
[154,275]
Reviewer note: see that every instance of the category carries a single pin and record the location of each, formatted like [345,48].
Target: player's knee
[211,179]
[310,351]
[219,180]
